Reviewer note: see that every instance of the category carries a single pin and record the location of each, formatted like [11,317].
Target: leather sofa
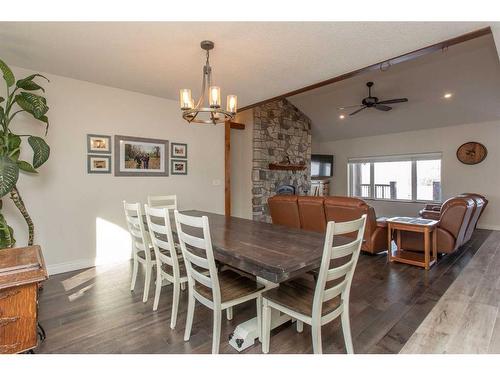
[433,211]
[456,222]
[313,213]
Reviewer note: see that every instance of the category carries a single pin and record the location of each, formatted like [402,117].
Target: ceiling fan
[373,102]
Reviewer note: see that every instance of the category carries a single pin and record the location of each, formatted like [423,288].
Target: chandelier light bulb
[232,103]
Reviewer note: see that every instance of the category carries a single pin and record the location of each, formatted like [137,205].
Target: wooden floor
[466,319]
[93,311]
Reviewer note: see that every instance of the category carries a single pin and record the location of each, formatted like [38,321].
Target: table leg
[389,242]
[427,247]
[247,332]
[434,244]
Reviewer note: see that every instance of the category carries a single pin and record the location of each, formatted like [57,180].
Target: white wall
[483,178]
[79,216]
[241,166]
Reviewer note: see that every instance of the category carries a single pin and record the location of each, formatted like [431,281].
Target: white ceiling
[471,71]
[256,61]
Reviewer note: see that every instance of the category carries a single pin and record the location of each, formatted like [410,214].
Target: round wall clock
[472,153]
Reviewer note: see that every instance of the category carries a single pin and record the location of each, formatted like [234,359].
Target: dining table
[272,253]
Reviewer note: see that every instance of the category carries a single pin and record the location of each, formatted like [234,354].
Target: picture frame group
[98,154]
[178,153]
[135,156]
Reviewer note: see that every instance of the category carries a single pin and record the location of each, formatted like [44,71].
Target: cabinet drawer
[18,318]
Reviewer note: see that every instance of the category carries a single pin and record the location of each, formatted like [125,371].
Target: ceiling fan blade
[381,107]
[350,106]
[392,101]
[359,110]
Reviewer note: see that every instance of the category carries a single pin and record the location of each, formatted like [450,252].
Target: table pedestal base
[246,333]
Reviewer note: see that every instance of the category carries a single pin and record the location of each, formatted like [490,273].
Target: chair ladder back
[203,259]
[328,273]
[163,201]
[138,234]
[162,239]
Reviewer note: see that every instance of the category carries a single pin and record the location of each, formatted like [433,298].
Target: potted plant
[22,96]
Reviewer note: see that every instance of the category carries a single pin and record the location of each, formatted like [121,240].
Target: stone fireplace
[281,134]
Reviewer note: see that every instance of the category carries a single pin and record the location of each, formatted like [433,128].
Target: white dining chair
[169,264]
[219,290]
[143,253]
[163,201]
[329,298]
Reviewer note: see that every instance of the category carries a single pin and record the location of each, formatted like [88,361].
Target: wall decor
[472,153]
[98,163]
[98,144]
[136,156]
[178,167]
[178,150]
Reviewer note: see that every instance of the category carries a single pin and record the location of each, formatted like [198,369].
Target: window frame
[413,158]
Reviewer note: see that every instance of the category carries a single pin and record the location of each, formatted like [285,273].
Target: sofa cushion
[312,213]
[284,210]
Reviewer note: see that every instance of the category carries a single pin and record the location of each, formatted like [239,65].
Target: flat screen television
[321,165]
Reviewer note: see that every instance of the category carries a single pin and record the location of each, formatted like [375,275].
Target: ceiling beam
[236,125]
[389,62]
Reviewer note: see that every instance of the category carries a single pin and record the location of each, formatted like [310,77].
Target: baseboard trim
[54,269]
[490,227]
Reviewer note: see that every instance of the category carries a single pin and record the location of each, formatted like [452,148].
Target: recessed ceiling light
[341,117]
[448,95]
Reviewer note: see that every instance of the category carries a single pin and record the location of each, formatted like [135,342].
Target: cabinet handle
[8,348]
[9,293]
[6,321]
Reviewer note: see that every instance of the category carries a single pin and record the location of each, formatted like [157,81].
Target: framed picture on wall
[136,156]
[178,167]
[98,144]
[98,163]
[178,150]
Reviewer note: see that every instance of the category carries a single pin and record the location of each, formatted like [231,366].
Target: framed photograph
[178,167]
[98,144]
[98,163]
[136,156]
[179,150]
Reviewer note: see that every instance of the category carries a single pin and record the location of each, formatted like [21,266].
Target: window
[402,177]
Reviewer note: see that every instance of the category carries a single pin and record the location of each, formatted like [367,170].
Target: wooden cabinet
[320,187]
[21,271]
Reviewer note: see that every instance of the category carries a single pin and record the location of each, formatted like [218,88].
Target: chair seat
[167,268]
[298,295]
[232,286]
[142,254]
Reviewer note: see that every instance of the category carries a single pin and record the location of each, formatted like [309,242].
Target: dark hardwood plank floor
[93,311]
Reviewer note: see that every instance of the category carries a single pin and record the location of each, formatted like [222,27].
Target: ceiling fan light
[342,117]
[447,95]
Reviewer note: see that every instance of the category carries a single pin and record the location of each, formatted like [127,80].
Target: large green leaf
[2,99]
[8,76]
[29,85]
[25,166]
[34,104]
[9,173]
[6,234]
[41,150]
[30,78]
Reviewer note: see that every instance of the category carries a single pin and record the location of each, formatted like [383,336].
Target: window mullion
[372,181]
[413,180]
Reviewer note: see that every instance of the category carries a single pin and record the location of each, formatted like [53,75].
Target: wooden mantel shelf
[287,167]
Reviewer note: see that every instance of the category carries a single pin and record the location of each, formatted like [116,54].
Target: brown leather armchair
[313,213]
[455,217]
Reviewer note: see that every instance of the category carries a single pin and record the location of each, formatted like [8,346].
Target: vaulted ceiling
[470,71]
[256,60]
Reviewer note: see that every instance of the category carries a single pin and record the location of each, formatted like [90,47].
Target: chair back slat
[329,271]
[202,279]
[162,238]
[140,237]
[346,250]
[338,272]
[193,241]
[198,252]
[334,291]
[163,201]
[198,261]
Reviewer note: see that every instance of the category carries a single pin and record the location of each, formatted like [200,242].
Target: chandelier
[208,108]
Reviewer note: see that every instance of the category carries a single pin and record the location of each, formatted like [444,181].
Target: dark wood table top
[273,252]
[20,266]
